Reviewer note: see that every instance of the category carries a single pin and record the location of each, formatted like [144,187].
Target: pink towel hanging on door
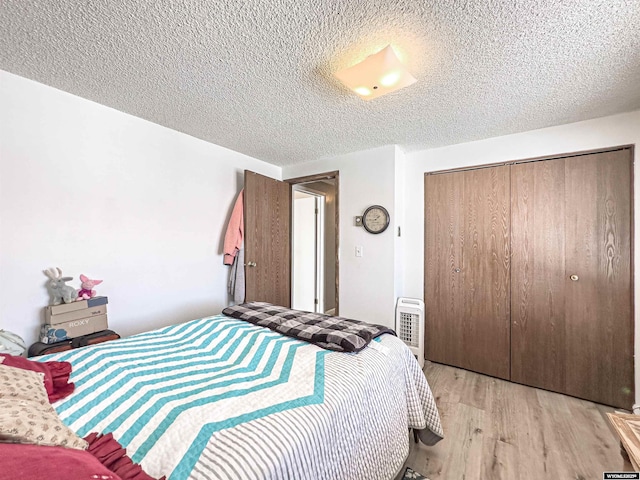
[235,231]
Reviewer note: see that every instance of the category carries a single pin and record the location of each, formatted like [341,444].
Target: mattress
[219,398]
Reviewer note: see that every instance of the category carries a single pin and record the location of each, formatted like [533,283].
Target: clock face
[375,219]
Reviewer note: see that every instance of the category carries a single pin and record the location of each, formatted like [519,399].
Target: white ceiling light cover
[376,75]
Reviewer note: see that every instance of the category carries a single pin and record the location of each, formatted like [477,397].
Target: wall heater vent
[410,325]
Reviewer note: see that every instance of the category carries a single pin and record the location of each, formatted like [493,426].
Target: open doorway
[314,243]
[307,243]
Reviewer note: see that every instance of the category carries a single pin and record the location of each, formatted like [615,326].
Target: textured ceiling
[256,76]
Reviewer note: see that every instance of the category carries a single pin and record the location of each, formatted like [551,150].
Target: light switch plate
[358,221]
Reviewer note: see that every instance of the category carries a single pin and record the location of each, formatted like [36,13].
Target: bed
[220,398]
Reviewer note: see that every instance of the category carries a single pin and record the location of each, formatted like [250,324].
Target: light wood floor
[500,430]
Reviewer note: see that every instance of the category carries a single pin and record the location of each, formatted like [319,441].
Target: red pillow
[56,374]
[38,462]
[114,456]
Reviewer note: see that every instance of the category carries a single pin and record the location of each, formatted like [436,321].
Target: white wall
[603,132]
[367,284]
[96,191]
[399,222]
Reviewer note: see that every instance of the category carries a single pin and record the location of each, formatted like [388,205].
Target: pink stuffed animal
[87,292]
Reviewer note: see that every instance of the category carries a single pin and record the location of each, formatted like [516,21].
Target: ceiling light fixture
[376,75]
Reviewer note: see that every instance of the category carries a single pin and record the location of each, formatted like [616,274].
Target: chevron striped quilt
[219,398]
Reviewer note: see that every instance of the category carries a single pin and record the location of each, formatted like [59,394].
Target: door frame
[578,153]
[335,175]
[319,201]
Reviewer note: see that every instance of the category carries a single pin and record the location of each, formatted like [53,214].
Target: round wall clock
[375,219]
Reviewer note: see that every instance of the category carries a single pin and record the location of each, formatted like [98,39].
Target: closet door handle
[251,264]
[574,277]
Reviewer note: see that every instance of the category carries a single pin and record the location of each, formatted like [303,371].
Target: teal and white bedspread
[219,398]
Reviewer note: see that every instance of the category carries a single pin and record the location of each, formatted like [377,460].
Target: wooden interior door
[467,254]
[267,225]
[572,320]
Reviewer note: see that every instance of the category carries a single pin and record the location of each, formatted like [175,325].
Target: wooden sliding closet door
[572,325]
[538,330]
[467,269]
[599,305]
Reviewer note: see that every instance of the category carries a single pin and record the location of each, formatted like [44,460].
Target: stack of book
[72,320]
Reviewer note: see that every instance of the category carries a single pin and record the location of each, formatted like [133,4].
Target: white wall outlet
[358,250]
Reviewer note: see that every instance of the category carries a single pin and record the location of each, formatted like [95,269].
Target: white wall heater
[410,325]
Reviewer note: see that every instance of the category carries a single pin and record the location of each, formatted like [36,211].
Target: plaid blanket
[328,332]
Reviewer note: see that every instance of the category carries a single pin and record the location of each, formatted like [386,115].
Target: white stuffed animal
[57,288]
